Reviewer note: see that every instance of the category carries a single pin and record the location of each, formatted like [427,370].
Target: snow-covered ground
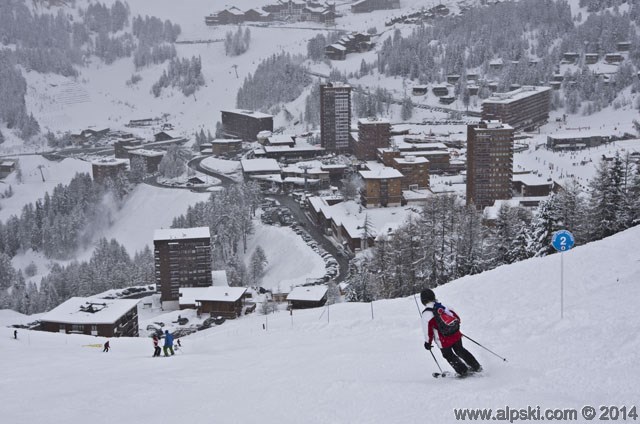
[342,366]
[290,260]
[35,169]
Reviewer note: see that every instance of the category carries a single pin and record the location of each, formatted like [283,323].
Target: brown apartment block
[373,134]
[524,109]
[182,259]
[335,116]
[415,171]
[382,187]
[489,163]
[103,169]
[245,124]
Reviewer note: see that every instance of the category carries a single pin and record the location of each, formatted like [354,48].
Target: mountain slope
[340,366]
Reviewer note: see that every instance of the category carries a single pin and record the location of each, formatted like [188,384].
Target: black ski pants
[455,353]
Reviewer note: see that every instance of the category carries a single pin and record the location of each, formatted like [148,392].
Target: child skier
[106,346]
[156,346]
[451,344]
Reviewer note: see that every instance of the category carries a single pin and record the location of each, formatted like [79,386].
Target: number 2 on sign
[563,243]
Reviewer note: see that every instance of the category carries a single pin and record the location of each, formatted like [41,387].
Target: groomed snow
[342,366]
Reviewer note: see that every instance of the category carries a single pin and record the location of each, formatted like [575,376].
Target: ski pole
[416,300]
[434,358]
[504,359]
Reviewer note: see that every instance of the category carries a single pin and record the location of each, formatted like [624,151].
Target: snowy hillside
[341,366]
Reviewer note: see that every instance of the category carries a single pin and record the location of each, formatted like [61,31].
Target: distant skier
[168,343]
[439,319]
[156,346]
[106,346]
[15,334]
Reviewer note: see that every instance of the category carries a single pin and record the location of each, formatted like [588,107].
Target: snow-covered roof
[425,153]
[309,293]
[77,310]
[338,46]
[251,113]
[419,194]
[147,153]
[531,179]
[491,212]
[381,173]
[109,162]
[372,121]
[351,216]
[181,233]
[515,95]
[260,165]
[7,163]
[409,159]
[191,295]
[281,139]
[333,166]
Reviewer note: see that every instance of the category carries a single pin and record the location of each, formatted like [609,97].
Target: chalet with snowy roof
[307,297]
[7,166]
[623,46]
[224,146]
[93,316]
[446,100]
[531,185]
[215,300]
[231,15]
[245,124]
[257,15]
[382,187]
[182,259]
[419,90]
[591,58]
[366,6]
[108,168]
[613,58]
[162,136]
[335,51]
[150,158]
[440,90]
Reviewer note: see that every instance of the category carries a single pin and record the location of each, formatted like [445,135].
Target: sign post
[562,241]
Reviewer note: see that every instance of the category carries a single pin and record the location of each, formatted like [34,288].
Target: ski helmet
[427,295]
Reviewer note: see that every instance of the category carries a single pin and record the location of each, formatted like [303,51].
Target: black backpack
[447,323]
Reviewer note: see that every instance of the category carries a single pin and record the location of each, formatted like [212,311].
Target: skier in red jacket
[451,345]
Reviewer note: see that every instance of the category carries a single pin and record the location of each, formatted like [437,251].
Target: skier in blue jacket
[168,343]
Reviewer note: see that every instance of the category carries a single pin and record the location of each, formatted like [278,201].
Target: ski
[449,374]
